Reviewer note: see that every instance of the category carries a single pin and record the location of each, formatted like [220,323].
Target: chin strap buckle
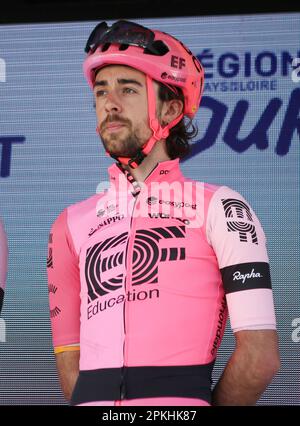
[136,161]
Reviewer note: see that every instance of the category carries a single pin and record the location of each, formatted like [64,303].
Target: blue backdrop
[249,127]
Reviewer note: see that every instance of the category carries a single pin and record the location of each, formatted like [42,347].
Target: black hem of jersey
[111,384]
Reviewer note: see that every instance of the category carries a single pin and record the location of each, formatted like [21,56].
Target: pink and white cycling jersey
[143,279]
[3,262]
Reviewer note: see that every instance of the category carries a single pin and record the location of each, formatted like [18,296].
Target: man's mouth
[114,126]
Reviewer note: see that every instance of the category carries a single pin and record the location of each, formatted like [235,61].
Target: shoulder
[217,198]
[230,202]
[206,186]
[224,191]
[216,193]
[77,210]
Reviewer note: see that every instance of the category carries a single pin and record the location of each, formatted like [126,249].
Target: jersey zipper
[128,260]
[128,263]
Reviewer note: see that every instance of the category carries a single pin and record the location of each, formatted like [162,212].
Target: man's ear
[171,110]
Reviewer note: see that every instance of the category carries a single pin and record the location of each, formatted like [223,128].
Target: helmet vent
[157,48]
[105,47]
[123,46]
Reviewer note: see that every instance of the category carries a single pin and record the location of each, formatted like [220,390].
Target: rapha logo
[238,276]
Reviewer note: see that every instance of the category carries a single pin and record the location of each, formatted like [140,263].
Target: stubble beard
[121,146]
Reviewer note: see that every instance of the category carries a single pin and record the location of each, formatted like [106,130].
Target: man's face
[122,109]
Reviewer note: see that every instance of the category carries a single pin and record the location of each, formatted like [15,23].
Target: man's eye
[100,93]
[128,90]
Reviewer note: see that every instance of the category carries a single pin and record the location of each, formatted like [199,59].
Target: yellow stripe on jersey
[60,349]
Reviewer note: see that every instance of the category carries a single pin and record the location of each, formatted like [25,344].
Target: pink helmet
[155,53]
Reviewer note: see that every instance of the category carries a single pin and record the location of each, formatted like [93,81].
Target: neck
[156,155]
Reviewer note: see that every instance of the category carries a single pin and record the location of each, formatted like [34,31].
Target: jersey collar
[168,170]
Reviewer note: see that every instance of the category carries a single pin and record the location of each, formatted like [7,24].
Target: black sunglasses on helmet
[122,32]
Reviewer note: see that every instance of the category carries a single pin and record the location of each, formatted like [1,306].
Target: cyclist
[143,274]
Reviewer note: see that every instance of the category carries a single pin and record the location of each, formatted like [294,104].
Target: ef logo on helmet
[177,62]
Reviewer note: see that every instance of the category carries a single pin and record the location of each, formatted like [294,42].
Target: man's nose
[112,103]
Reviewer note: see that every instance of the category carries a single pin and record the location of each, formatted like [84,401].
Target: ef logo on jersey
[237,208]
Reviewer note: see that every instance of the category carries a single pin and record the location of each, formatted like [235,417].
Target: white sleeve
[239,242]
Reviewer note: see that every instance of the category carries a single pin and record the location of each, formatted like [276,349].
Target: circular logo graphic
[151,201]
